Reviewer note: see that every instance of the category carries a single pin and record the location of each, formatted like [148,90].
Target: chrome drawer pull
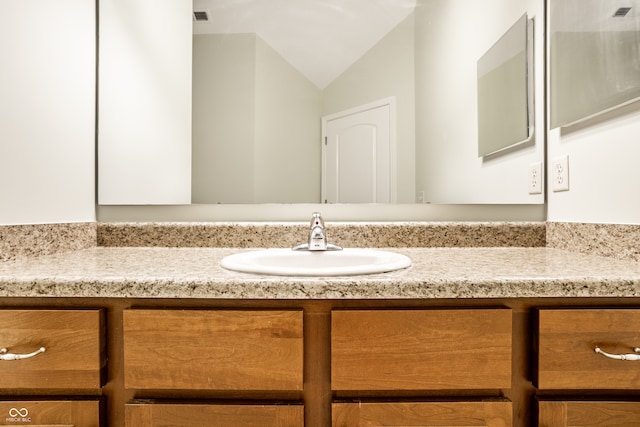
[632,356]
[11,356]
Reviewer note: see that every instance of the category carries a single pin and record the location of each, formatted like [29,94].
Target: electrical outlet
[420,197]
[535,178]
[560,174]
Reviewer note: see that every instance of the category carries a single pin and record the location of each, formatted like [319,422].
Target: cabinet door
[588,414]
[60,413]
[74,349]
[422,414]
[213,349]
[197,415]
[420,349]
[567,339]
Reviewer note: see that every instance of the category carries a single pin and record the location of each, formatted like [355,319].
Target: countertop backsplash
[24,241]
[348,234]
[620,241]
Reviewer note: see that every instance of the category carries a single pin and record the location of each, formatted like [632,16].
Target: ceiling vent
[621,12]
[200,15]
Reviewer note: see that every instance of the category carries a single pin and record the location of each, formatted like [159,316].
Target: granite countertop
[154,272]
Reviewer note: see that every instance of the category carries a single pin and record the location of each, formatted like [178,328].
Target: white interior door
[359,155]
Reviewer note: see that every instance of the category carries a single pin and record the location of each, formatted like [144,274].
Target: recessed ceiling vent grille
[621,12]
[200,15]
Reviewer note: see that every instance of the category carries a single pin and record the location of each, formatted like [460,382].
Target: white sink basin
[286,262]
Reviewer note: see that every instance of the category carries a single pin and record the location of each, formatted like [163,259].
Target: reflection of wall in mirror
[503,92]
[386,70]
[252,114]
[594,60]
[268,102]
[450,37]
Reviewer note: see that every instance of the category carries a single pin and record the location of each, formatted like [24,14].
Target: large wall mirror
[272,80]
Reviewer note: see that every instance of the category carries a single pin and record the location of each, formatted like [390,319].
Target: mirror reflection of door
[358,159]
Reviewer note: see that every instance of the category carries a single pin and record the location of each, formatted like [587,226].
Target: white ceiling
[321,38]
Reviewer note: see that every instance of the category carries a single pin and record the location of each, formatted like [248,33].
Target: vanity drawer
[421,349]
[582,413]
[436,414]
[213,349]
[74,356]
[197,415]
[51,413]
[566,343]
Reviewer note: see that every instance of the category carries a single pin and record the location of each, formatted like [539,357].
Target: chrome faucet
[317,237]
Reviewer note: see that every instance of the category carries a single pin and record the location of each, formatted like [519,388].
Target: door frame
[391,103]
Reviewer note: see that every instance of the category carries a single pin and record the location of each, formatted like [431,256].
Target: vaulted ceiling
[321,38]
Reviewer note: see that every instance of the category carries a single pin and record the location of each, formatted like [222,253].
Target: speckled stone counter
[460,273]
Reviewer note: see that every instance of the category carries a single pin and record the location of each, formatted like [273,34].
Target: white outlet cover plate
[535,178]
[560,174]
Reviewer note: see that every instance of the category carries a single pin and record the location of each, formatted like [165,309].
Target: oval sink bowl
[286,262]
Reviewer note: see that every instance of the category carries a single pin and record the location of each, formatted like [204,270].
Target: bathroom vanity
[466,336]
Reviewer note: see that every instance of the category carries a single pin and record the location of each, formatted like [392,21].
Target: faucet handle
[316,219]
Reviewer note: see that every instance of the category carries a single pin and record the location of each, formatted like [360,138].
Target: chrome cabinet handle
[12,356]
[632,356]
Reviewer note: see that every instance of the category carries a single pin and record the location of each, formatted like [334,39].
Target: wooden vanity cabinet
[317,363]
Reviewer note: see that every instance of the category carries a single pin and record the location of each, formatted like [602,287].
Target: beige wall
[47,111]
[603,150]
